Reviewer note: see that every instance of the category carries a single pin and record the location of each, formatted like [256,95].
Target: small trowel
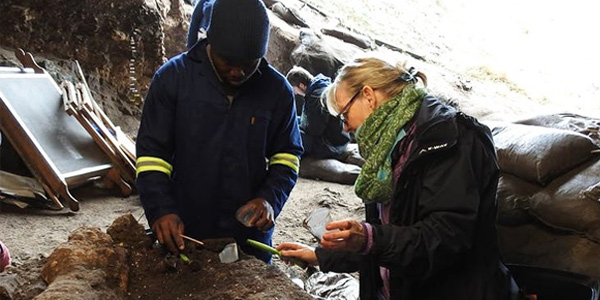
[258,245]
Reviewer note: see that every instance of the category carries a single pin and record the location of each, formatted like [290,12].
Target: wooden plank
[97,137]
[126,166]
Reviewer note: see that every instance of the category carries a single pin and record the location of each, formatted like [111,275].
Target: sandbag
[592,193]
[514,195]
[540,154]
[351,155]
[537,245]
[581,124]
[331,170]
[561,206]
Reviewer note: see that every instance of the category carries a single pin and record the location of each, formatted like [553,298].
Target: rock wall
[119,44]
[97,33]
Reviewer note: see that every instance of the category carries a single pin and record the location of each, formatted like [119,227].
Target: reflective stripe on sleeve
[149,163]
[286,159]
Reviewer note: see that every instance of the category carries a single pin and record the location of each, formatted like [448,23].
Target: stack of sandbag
[550,174]
[550,181]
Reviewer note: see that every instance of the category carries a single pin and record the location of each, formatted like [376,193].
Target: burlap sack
[581,124]
[514,195]
[540,154]
[561,205]
[537,245]
[331,170]
[591,193]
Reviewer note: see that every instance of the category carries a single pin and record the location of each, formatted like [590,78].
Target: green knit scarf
[376,139]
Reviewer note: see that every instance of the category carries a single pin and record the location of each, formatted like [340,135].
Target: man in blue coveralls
[218,134]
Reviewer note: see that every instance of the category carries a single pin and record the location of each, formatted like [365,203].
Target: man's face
[233,73]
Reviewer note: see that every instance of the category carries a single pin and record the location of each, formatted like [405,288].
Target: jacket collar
[318,85]
[436,127]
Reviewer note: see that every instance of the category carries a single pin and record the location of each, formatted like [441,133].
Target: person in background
[429,186]
[4,257]
[323,135]
[218,134]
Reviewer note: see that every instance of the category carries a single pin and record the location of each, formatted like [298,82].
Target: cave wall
[119,44]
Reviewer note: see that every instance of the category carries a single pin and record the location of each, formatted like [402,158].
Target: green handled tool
[260,246]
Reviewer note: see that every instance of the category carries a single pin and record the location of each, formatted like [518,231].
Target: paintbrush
[191,239]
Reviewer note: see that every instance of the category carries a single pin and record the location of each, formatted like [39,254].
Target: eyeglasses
[342,114]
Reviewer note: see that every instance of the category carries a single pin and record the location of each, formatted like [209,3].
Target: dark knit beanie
[239,29]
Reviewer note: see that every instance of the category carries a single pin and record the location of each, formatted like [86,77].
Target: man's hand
[299,251]
[263,217]
[350,236]
[168,230]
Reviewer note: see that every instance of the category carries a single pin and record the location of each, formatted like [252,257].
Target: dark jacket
[323,135]
[218,150]
[441,243]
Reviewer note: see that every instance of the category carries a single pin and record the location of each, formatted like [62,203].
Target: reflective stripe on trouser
[149,163]
[286,159]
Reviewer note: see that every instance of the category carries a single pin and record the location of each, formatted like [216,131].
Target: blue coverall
[202,156]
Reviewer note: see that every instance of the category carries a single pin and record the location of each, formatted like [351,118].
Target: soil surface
[204,277]
[32,235]
[200,274]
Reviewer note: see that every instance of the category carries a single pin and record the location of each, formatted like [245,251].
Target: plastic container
[229,254]
[316,222]
[243,215]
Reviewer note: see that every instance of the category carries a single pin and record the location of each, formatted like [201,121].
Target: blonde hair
[374,72]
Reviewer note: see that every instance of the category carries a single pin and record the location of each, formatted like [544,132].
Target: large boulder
[282,41]
[322,54]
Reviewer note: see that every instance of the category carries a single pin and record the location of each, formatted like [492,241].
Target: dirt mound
[96,265]
[23,282]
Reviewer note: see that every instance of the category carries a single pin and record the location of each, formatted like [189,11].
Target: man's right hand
[168,230]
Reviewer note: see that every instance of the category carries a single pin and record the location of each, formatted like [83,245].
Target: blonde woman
[429,186]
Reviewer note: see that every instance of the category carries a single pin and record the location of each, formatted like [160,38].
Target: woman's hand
[347,235]
[300,251]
